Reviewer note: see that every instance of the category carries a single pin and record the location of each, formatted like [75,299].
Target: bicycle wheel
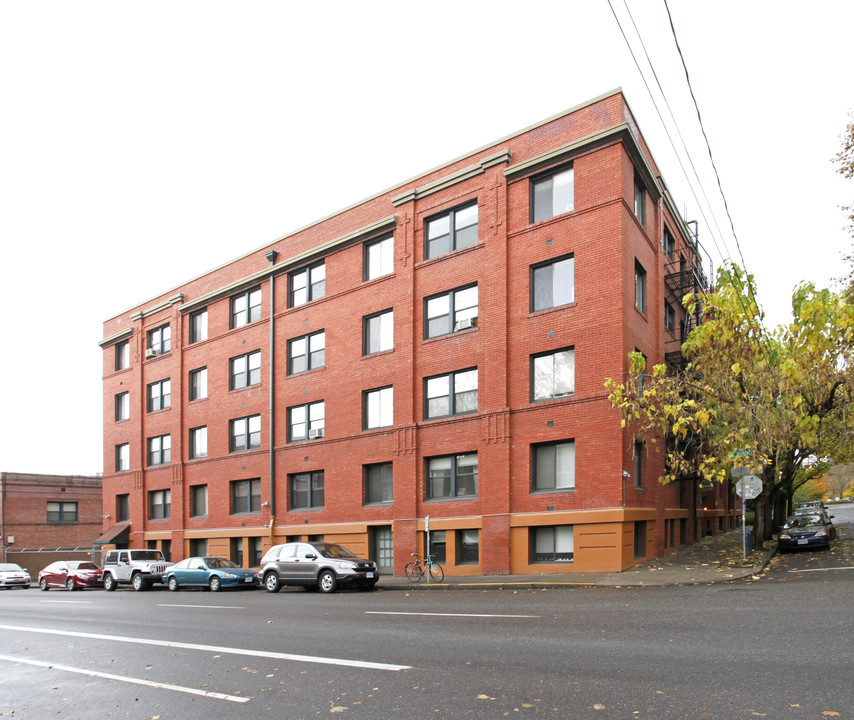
[436,573]
[413,571]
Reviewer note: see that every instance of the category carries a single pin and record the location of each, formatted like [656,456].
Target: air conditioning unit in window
[315,433]
[150,353]
[465,324]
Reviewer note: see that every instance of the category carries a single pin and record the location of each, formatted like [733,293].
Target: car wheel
[69,584]
[139,583]
[173,583]
[271,582]
[215,584]
[43,584]
[109,582]
[326,581]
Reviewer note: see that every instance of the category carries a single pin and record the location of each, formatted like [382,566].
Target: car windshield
[804,521]
[82,565]
[10,567]
[218,562]
[147,555]
[330,550]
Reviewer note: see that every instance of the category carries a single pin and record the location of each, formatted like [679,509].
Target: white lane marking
[67,602]
[215,607]
[435,614]
[123,678]
[794,570]
[214,648]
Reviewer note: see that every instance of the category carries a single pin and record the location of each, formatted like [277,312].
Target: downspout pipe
[271,257]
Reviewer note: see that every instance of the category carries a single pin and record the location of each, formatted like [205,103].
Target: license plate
[369,575]
[802,542]
[249,579]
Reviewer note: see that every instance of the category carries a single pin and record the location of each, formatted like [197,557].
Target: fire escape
[682,276]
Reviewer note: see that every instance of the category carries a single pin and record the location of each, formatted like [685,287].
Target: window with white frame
[306,421]
[452,476]
[552,543]
[198,384]
[245,370]
[553,283]
[451,394]
[122,406]
[452,230]
[554,466]
[198,442]
[307,352]
[246,307]
[122,457]
[378,408]
[245,433]
[378,483]
[199,325]
[159,504]
[553,374]
[307,490]
[159,450]
[640,287]
[379,257]
[451,311]
[552,194]
[306,285]
[378,332]
[159,395]
[159,340]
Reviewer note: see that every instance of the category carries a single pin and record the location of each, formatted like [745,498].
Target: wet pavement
[714,559]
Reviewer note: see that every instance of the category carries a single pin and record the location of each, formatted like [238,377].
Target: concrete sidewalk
[714,559]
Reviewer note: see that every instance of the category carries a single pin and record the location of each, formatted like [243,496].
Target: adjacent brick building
[435,351]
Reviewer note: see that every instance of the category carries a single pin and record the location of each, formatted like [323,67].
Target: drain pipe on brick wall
[271,256]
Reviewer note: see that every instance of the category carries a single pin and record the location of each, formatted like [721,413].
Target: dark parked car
[828,519]
[804,531]
[811,504]
[71,574]
[211,572]
[319,565]
[13,575]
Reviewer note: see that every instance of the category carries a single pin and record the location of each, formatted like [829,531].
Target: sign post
[748,487]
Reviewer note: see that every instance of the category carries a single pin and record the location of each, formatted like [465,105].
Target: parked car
[319,565]
[812,504]
[212,572]
[71,574]
[13,575]
[804,531]
[140,568]
[828,519]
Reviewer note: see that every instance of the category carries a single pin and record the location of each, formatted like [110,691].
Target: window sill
[453,253]
[378,353]
[549,310]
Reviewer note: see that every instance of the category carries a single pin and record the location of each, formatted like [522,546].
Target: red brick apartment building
[435,351]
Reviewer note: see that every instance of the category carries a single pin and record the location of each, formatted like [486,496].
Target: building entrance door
[382,549]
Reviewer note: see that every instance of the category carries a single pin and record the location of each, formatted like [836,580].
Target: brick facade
[596,328]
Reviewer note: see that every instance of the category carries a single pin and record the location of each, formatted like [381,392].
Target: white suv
[139,568]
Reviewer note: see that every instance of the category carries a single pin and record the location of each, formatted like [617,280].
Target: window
[122,457]
[122,507]
[451,394]
[378,332]
[255,546]
[552,195]
[198,500]
[198,442]
[198,384]
[306,353]
[640,200]
[379,258]
[451,231]
[553,284]
[640,539]
[199,326]
[62,512]
[160,450]
[307,490]
[638,464]
[159,504]
[159,341]
[159,395]
[552,544]
[468,547]
[438,546]
[246,307]
[452,476]
[246,496]
[669,245]
[245,433]
[553,374]
[378,408]
[554,466]
[306,285]
[378,483]
[640,287]
[245,370]
[449,312]
[236,551]
[669,317]
[122,406]
[198,547]
[122,355]
[306,421]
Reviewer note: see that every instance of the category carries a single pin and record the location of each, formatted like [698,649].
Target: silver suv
[318,565]
[139,568]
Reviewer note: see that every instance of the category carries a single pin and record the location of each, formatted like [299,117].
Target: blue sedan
[211,572]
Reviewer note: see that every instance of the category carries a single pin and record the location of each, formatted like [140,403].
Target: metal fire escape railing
[681,277]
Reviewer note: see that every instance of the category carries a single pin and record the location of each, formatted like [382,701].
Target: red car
[71,574]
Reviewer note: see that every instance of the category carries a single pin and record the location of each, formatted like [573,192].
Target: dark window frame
[195,454]
[65,512]
[312,490]
[640,199]
[193,389]
[366,332]
[309,355]
[669,318]
[365,407]
[162,400]
[454,488]
[538,452]
[122,466]
[250,373]
[533,284]
[453,311]
[366,257]
[163,452]
[195,492]
[122,507]
[253,298]
[464,549]
[159,339]
[378,479]
[122,355]
[251,499]
[669,248]
[314,289]
[122,406]
[308,422]
[532,365]
[536,195]
[453,395]
[198,321]
[533,533]
[453,232]
[160,504]
[246,421]
[640,287]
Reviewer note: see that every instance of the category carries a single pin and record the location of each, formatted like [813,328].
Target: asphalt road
[776,647]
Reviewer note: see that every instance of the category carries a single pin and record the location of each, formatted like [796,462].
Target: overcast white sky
[143,143]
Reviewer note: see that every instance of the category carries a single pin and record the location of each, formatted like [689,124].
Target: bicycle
[417,569]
